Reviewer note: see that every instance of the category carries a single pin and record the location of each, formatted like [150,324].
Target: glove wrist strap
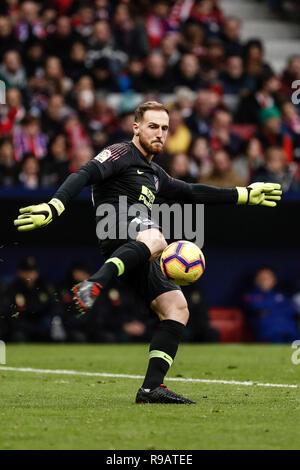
[243,195]
[57,205]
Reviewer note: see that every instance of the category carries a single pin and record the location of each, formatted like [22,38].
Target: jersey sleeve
[106,164]
[112,160]
[177,190]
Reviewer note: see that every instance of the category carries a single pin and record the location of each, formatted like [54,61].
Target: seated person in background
[179,137]
[276,170]
[233,79]
[198,328]
[266,96]
[118,317]
[271,132]
[8,168]
[29,304]
[291,125]
[29,176]
[222,175]
[271,313]
[221,134]
[180,167]
[3,317]
[75,327]
[251,160]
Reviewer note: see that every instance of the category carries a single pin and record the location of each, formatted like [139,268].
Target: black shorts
[147,281]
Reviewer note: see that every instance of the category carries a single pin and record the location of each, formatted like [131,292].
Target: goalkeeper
[127,169]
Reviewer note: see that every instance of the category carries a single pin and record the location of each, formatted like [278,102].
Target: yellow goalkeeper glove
[37,216]
[262,194]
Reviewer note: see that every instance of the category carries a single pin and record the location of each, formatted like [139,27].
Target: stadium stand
[74,71]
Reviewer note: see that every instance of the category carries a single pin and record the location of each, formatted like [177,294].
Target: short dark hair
[147,106]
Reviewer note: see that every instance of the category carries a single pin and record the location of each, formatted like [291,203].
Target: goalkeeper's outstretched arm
[40,215]
[263,194]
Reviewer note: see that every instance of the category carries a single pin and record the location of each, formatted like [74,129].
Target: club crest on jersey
[156,182]
[104,155]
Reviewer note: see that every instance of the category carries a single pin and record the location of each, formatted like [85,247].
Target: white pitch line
[126,376]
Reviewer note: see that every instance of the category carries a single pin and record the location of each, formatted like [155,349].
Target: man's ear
[136,128]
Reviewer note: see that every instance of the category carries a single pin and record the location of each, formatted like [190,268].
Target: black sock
[163,349]
[125,257]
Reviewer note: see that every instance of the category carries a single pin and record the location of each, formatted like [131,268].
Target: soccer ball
[182,262]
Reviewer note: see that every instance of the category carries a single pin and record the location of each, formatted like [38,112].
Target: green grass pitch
[57,411]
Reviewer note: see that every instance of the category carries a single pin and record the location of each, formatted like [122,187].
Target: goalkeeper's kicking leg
[147,247]
[172,310]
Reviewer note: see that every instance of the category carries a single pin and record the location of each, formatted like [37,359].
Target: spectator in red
[62,6]
[11,113]
[76,135]
[270,133]
[209,14]
[156,22]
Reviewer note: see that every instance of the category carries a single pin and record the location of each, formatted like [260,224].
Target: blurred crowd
[75,70]
[33,309]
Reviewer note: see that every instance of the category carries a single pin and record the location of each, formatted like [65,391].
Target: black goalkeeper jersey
[122,170]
